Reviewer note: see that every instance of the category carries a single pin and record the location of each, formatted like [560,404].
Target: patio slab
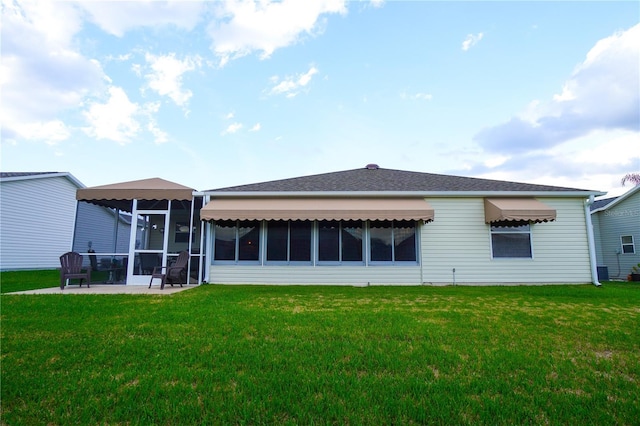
[109,289]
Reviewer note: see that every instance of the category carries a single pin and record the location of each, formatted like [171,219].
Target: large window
[628,246]
[237,241]
[509,240]
[289,241]
[392,241]
[339,241]
[325,242]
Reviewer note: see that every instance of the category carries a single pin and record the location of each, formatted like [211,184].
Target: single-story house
[367,226]
[616,228]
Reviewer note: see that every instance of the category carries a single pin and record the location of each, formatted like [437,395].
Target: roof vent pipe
[372,166]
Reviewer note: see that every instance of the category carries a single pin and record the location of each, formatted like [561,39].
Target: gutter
[399,194]
[591,241]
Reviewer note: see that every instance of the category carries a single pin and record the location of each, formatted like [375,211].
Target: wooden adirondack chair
[71,267]
[175,273]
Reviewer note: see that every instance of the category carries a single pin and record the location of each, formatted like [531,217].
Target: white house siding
[458,238]
[621,219]
[37,217]
[597,238]
[319,275]
[97,224]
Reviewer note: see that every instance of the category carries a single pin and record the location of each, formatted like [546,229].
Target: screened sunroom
[126,230]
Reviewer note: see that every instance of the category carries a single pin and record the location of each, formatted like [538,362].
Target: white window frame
[340,261]
[288,261]
[237,237]
[505,228]
[631,244]
[393,261]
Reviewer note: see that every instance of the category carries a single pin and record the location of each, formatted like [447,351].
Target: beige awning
[317,209]
[145,189]
[517,209]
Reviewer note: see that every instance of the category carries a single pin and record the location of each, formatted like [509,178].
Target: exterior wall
[621,219]
[334,275]
[458,238]
[37,219]
[97,224]
[597,237]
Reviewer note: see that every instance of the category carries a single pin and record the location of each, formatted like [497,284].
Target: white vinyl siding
[37,222]
[622,219]
[97,224]
[458,238]
[318,275]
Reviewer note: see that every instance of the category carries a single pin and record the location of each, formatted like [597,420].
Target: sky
[222,93]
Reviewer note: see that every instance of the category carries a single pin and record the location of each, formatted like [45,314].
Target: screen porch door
[148,248]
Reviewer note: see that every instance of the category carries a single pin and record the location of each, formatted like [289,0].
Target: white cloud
[166,74]
[149,110]
[471,40]
[118,17]
[229,116]
[602,94]
[51,132]
[291,85]
[417,96]
[243,27]
[116,119]
[42,73]
[232,128]
[495,161]
[256,127]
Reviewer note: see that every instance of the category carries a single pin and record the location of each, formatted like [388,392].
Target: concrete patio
[109,289]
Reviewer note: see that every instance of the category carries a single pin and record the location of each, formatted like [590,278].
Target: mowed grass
[325,355]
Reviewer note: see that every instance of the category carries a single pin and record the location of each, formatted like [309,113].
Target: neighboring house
[368,226]
[36,218]
[616,228]
[40,219]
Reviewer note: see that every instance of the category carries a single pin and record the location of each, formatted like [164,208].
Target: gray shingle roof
[388,180]
[23,174]
[602,203]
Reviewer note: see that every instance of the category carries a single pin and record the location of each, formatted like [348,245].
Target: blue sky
[214,94]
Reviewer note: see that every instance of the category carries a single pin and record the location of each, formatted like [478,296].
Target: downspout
[591,241]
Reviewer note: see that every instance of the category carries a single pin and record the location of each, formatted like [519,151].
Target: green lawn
[324,355]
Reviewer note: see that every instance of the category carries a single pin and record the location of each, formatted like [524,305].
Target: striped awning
[517,210]
[317,209]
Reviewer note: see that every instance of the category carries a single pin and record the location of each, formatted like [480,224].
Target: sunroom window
[237,240]
[511,240]
[392,241]
[288,241]
[340,241]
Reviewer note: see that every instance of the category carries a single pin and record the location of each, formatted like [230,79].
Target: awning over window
[317,209]
[517,209]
